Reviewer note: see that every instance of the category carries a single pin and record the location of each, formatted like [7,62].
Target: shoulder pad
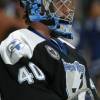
[18,44]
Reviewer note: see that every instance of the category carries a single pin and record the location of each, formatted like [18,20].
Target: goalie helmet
[57,14]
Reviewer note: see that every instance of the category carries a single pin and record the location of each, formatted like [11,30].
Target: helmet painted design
[55,13]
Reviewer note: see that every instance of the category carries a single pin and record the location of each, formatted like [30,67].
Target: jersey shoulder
[18,44]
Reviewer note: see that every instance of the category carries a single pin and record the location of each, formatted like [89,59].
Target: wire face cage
[61,9]
[58,9]
[56,14]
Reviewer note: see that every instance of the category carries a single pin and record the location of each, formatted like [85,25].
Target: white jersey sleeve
[18,44]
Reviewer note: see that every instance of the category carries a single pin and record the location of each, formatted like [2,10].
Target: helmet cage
[56,14]
[50,9]
[64,7]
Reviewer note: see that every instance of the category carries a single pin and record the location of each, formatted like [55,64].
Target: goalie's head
[54,13]
[48,9]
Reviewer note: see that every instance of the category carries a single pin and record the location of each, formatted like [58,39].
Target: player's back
[11,90]
[27,67]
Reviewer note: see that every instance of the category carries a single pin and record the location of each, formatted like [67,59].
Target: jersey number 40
[25,76]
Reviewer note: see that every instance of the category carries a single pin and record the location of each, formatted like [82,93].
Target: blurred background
[86,35]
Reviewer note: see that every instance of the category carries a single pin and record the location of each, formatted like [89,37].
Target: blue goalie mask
[57,14]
